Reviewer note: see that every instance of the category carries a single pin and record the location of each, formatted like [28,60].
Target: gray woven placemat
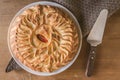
[86,11]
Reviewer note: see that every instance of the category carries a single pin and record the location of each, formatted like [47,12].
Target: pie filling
[44,38]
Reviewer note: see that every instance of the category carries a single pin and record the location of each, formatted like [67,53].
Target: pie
[44,38]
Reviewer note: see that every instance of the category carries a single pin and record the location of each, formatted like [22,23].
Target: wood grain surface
[107,65]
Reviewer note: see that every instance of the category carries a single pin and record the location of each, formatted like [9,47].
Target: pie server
[95,38]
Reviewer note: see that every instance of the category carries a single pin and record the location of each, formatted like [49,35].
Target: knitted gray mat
[86,11]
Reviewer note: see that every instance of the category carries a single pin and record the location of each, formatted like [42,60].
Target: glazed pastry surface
[44,38]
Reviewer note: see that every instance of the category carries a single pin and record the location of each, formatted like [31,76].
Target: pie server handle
[91,61]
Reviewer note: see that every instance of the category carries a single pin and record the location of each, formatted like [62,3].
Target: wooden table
[107,66]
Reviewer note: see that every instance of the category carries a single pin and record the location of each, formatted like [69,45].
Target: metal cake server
[95,38]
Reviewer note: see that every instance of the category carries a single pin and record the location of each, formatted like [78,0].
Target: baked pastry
[44,38]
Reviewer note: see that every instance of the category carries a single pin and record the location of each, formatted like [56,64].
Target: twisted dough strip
[44,38]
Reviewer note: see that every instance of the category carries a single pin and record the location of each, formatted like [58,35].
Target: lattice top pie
[44,38]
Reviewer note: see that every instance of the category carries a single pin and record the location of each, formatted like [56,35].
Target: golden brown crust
[44,38]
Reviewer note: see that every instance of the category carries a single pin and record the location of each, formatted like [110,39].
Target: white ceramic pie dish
[64,67]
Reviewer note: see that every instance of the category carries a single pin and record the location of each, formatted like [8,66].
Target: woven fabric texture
[87,11]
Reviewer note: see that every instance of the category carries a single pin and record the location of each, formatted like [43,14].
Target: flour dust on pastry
[44,38]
